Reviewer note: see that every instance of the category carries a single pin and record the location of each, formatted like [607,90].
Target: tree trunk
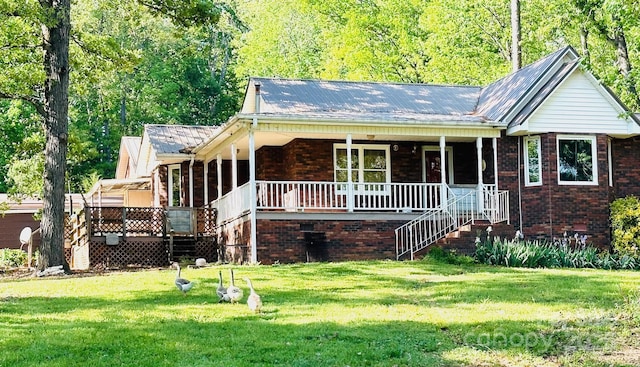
[55,34]
[619,40]
[516,52]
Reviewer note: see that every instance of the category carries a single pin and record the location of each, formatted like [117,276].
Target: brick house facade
[336,170]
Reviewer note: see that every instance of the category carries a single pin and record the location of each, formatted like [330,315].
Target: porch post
[443,172]
[234,166]
[350,201]
[253,196]
[219,174]
[479,193]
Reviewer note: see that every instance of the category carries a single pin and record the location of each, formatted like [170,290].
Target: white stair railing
[431,226]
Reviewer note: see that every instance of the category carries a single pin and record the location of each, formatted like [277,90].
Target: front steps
[463,240]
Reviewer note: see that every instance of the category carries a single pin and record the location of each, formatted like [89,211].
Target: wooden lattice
[144,251]
[206,221]
[127,220]
[207,247]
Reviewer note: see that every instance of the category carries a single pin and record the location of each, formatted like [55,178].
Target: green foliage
[438,254]
[539,254]
[10,258]
[625,226]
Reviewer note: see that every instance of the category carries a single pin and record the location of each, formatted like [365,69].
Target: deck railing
[149,221]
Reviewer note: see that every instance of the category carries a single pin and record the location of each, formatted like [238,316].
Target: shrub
[625,225]
[538,254]
[12,258]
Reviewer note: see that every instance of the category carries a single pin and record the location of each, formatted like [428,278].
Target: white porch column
[253,194]
[350,201]
[443,172]
[234,167]
[480,183]
[219,174]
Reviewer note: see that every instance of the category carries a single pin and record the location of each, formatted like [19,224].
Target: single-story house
[339,170]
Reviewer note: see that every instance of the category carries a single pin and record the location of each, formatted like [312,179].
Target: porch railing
[496,204]
[317,195]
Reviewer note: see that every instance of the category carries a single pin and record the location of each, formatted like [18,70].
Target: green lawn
[381,313]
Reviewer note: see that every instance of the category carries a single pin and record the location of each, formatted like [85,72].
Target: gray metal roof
[415,102]
[501,97]
[367,100]
[174,139]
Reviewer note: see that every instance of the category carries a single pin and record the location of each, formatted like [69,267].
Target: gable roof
[504,103]
[363,100]
[169,144]
[502,98]
[176,139]
[128,156]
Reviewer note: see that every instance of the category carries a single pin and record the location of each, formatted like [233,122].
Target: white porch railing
[461,210]
[317,195]
[233,204]
[496,204]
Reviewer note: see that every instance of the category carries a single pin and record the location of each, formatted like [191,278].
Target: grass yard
[380,313]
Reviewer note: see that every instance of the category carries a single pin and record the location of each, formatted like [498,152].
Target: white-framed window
[532,166]
[370,166]
[577,160]
[173,189]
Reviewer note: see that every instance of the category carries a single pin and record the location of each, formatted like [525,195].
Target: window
[369,165]
[577,164]
[174,185]
[532,166]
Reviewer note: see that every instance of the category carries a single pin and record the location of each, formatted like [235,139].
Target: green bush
[537,254]
[12,258]
[441,255]
[625,226]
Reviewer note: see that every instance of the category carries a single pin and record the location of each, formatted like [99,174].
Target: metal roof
[501,97]
[175,139]
[366,100]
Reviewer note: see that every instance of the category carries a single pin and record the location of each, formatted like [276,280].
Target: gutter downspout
[253,192]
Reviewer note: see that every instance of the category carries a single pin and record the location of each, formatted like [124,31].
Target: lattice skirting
[132,251]
[207,247]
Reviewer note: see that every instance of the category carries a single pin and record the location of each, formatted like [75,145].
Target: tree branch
[34,101]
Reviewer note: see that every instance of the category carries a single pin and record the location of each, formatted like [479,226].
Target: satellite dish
[25,235]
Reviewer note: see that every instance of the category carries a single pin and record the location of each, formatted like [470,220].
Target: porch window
[533,169]
[174,185]
[369,165]
[577,164]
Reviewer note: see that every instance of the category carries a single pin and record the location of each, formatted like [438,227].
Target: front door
[432,166]
[432,172]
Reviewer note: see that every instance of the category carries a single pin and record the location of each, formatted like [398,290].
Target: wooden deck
[147,236]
